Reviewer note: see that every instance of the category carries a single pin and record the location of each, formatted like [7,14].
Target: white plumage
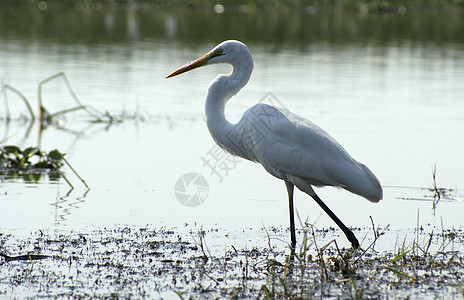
[288,146]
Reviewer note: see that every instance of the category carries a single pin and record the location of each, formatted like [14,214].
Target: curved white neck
[219,92]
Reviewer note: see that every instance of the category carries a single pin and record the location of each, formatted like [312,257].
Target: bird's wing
[288,145]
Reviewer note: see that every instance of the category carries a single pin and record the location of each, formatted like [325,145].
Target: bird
[287,145]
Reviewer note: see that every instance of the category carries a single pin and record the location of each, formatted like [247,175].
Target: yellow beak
[199,62]
[192,65]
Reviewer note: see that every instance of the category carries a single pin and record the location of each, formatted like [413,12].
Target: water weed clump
[31,160]
[31,163]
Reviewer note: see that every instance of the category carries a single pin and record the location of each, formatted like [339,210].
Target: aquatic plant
[13,160]
[46,117]
[33,162]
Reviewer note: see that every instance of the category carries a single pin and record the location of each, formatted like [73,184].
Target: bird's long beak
[201,61]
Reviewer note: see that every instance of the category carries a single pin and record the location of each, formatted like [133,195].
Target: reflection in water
[35,177]
[280,28]
[132,23]
[64,206]
[171,26]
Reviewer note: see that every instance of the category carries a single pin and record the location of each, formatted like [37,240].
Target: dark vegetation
[311,6]
[31,160]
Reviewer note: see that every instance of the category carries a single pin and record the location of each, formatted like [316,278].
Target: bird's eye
[218,52]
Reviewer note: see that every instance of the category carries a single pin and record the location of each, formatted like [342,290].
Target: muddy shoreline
[130,262]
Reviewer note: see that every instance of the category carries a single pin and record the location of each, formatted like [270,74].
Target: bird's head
[226,52]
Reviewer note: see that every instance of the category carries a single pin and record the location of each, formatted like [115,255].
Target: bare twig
[21,95]
[268,237]
[321,259]
[375,240]
[437,195]
[373,228]
[80,105]
[74,171]
[62,175]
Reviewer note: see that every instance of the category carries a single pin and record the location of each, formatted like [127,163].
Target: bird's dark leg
[349,234]
[290,187]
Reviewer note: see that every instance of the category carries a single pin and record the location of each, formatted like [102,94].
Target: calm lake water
[388,88]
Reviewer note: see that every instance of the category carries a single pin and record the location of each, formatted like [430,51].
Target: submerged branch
[29,257]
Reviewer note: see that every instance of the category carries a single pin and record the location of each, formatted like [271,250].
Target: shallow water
[394,103]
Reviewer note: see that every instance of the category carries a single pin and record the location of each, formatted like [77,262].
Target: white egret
[288,146]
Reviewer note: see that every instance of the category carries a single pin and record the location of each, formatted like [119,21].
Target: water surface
[391,94]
